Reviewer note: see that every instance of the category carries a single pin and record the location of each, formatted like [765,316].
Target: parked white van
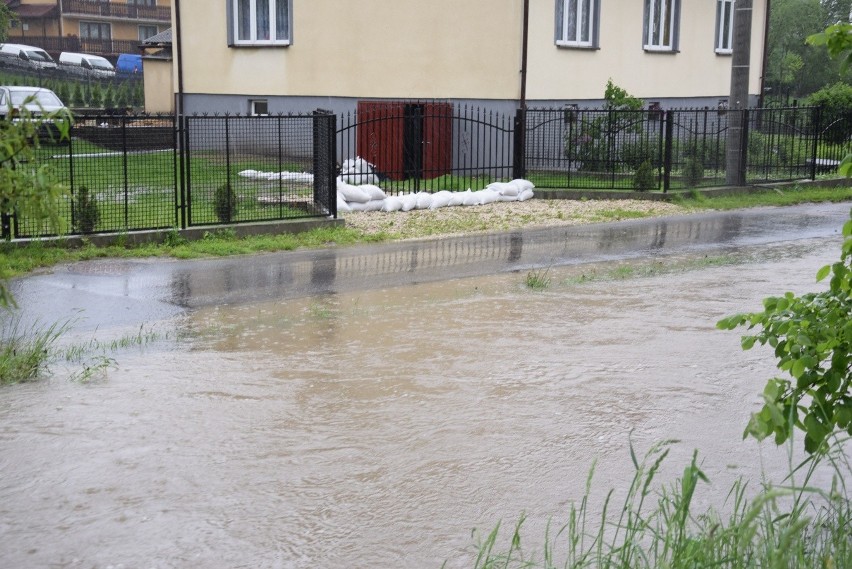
[26,56]
[86,64]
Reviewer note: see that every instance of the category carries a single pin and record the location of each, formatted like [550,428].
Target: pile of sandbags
[303,177]
[369,197]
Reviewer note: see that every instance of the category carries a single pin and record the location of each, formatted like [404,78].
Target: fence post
[519,167]
[815,120]
[667,151]
[325,159]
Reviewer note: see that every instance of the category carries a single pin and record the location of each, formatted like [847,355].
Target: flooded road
[376,427]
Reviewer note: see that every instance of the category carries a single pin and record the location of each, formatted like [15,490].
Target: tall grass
[25,351]
[656,526]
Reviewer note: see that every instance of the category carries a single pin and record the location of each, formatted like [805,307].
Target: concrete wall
[159,86]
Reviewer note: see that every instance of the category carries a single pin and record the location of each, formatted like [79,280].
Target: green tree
[793,69]
[812,338]
[7,16]
[26,184]
[837,39]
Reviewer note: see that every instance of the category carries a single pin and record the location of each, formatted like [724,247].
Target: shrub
[835,102]
[225,203]
[86,212]
[644,179]
[693,172]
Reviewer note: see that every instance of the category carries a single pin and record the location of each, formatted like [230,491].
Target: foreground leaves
[812,338]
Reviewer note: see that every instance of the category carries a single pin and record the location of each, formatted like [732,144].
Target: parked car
[20,55]
[129,64]
[87,65]
[36,100]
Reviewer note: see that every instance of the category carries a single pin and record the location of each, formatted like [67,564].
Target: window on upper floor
[142,2]
[95,30]
[259,22]
[146,32]
[724,26]
[662,20]
[577,23]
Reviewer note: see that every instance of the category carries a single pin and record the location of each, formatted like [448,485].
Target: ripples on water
[377,429]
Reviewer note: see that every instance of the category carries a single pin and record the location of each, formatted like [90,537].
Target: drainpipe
[765,61]
[61,21]
[525,40]
[177,40]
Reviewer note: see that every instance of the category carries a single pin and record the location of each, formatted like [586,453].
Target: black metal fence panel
[252,168]
[428,146]
[121,173]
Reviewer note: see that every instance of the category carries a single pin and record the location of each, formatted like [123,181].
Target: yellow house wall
[452,49]
[695,70]
[371,48]
[159,87]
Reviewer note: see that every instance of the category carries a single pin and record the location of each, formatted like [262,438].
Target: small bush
[644,179]
[693,172]
[86,214]
[225,204]
[835,102]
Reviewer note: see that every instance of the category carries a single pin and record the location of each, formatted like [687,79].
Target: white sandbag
[525,195]
[504,188]
[424,200]
[372,205]
[458,198]
[352,194]
[472,198]
[375,192]
[409,201]
[523,184]
[248,173]
[489,196]
[504,198]
[342,206]
[356,166]
[441,199]
[359,179]
[392,203]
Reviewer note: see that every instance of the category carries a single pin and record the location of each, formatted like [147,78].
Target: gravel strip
[501,216]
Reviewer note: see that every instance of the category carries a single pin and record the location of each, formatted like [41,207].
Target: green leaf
[823,272]
[747,342]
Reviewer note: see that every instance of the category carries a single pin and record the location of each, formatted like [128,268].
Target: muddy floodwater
[377,428]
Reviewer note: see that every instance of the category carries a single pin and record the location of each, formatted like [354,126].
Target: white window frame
[257,105]
[723,39]
[564,9]
[669,13]
[234,31]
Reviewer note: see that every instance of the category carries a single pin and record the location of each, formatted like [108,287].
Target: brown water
[378,428]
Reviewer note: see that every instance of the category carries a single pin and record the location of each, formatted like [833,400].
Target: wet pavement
[119,292]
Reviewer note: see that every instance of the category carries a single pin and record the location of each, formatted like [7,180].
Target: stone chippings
[503,216]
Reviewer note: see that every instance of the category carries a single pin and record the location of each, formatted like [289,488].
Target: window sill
[260,44]
[658,49]
[580,46]
[724,52]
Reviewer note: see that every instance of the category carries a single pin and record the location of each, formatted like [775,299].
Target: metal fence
[144,172]
[604,149]
[134,173]
[430,146]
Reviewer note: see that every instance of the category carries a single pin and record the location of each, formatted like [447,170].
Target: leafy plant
[86,212]
[812,338]
[693,172]
[538,279]
[225,203]
[644,179]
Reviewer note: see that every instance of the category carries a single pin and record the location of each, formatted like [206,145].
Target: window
[661,25]
[146,32]
[577,23]
[142,2]
[258,107]
[259,22]
[95,31]
[724,26]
